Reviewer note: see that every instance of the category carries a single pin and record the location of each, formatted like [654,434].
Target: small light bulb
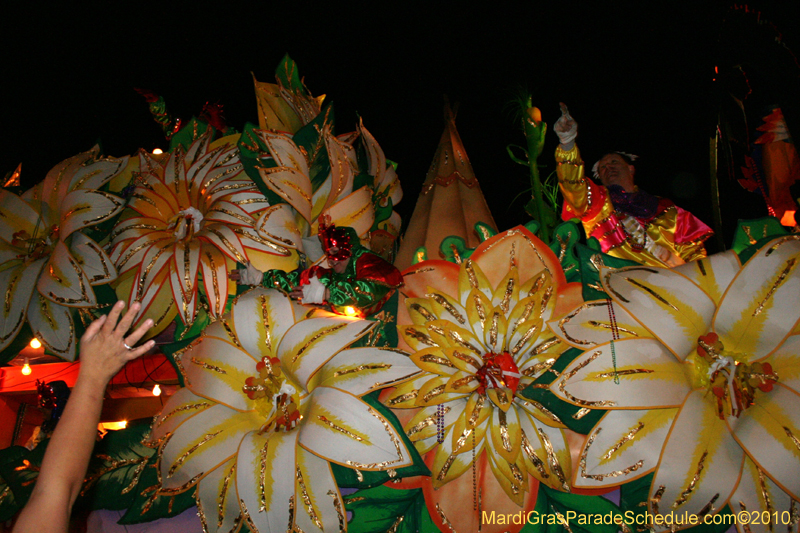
[350,311]
[26,368]
[35,344]
[157,390]
[158,151]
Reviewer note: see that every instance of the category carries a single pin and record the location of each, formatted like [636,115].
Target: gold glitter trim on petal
[340,429]
[693,483]
[458,339]
[625,438]
[444,519]
[545,345]
[400,399]
[781,278]
[427,315]
[337,504]
[222,493]
[552,459]
[535,459]
[392,436]
[180,460]
[471,276]
[583,411]
[208,366]
[629,372]
[321,333]
[599,477]
[437,360]
[780,242]
[441,300]
[420,336]
[419,426]
[566,377]
[307,498]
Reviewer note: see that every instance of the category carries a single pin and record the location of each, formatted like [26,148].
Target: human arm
[102,355]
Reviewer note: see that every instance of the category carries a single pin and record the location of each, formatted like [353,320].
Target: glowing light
[26,368]
[158,151]
[122,424]
[157,390]
[350,311]
[788,218]
[35,344]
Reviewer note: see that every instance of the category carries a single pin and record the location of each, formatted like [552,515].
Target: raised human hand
[566,128]
[106,346]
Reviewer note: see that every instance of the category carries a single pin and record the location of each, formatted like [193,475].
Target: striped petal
[769,431]
[82,208]
[505,433]
[354,210]
[647,373]
[623,446]
[16,215]
[183,278]
[225,240]
[97,173]
[217,369]
[63,280]
[19,282]
[700,464]
[217,502]
[203,443]
[757,494]
[668,304]
[363,370]
[319,504]
[341,428]
[545,453]
[454,456]
[265,479]
[434,361]
[182,405]
[94,262]
[471,277]
[277,224]
[214,269]
[52,324]
[425,423]
[260,319]
[759,309]
[590,324]
[712,274]
[310,343]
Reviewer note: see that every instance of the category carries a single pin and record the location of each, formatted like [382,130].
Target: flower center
[732,381]
[498,371]
[186,223]
[275,397]
[39,245]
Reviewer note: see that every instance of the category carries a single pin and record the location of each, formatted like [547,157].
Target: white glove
[566,128]
[250,275]
[314,292]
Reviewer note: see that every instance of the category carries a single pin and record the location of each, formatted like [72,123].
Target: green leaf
[288,75]
[116,467]
[254,154]
[560,512]
[588,258]
[750,235]
[184,137]
[148,505]
[309,138]
[19,469]
[382,509]
[347,477]
[565,238]
[454,249]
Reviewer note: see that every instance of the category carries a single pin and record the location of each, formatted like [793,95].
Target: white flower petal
[217,501]
[712,274]
[343,429]
[648,377]
[362,370]
[759,496]
[668,304]
[19,283]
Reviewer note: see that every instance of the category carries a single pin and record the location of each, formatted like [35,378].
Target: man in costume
[357,282]
[628,223]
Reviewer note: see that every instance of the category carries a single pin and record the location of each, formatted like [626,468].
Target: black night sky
[637,76]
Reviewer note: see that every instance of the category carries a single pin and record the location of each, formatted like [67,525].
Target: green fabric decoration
[382,509]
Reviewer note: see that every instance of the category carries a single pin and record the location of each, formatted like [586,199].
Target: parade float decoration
[529,379]
[698,373]
[477,331]
[271,396]
[49,263]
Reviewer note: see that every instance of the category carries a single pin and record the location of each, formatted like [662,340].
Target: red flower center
[499,370]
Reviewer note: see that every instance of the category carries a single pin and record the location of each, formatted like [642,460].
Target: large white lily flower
[702,387]
[191,219]
[272,396]
[47,264]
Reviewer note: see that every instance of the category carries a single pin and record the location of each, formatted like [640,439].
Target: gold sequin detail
[535,459]
[402,398]
[600,477]
[471,276]
[180,460]
[419,426]
[337,504]
[361,368]
[552,459]
[340,429]
[450,308]
[420,336]
[229,246]
[779,243]
[467,359]
[444,519]
[178,410]
[504,436]
[307,499]
[208,366]
[781,278]
[473,418]
[583,411]
[630,372]
[392,436]
[533,330]
[437,360]
[545,345]
[476,298]
[427,315]
[222,493]
[693,483]
[569,375]
[458,339]
[625,438]
[434,392]
[604,325]
[539,367]
[507,295]
[321,333]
